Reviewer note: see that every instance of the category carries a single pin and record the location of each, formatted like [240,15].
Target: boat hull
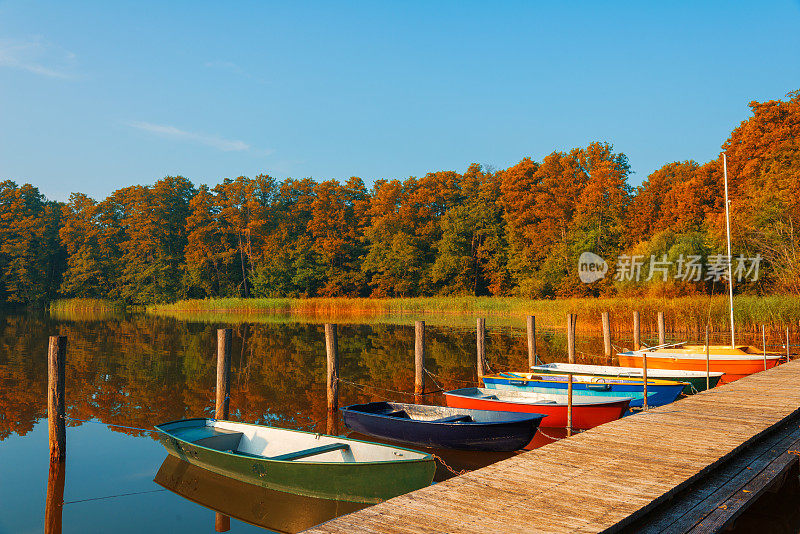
[695,380]
[498,431]
[366,482]
[584,416]
[734,369]
[657,394]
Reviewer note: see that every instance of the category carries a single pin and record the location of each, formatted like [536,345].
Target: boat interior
[535,397]
[437,414]
[279,444]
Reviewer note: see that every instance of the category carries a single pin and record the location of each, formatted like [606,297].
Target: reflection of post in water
[332,376]
[222,523]
[55,498]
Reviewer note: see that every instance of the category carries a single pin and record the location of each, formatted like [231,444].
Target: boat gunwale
[624,380]
[425,456]
[623,374]
[606,402]
[522,419]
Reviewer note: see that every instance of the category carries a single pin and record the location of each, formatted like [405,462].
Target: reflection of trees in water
[140,370]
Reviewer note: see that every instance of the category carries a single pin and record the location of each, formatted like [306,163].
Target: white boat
[303,463]
[696,379]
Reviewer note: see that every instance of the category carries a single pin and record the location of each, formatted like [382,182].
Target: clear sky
[95,96]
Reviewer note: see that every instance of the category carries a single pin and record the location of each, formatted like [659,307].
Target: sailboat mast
[730,258]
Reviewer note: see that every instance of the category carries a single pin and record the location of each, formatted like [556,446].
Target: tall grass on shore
[688,314]
[85,309]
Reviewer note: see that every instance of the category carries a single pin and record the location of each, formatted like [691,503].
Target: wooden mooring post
[57,434]
[569,404]
[224,336]
[708,362]
[481,348]
[764,345]
[644,380]
[533,358]
[419,357]
[606,316]
[572,318]
[56,425]
[332,373]
[637,333]
[787,344]
[222,522]
[662,329]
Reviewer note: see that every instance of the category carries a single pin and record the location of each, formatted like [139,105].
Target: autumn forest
[516,231]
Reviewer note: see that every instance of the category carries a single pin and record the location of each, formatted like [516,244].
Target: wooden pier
[691,466]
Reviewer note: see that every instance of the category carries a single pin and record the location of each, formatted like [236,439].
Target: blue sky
[95,96]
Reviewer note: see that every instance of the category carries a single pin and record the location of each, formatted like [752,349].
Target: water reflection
[275,510]
[140,370]
[54,504]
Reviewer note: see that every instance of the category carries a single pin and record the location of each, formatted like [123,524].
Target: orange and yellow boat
[735,362]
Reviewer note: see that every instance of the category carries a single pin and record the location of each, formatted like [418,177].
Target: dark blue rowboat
[443,427]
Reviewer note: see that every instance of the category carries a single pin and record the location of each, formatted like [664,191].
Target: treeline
[517,231]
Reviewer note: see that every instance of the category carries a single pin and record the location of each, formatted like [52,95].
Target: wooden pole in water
[56,425]
[332,374]
[662,330]
[637,340]
[571,320]
[224,336]
[569,404]
[708,363]
[607,334]
[419,357]
[481,346]
[787,344]
[54,504]
[222,523]
[764,345]
[644,380]
[533,358]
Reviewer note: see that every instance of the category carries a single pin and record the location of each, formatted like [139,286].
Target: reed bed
[85,309]
[689,314]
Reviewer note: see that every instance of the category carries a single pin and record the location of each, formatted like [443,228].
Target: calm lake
[138,370]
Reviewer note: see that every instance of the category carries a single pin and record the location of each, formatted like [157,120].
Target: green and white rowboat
[303,463]
[696,379]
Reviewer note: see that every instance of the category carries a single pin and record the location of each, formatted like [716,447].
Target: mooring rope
[456,473]
[114,496]
[363,386]
[110,424]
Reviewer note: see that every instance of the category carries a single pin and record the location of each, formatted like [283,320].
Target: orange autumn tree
[764,173]
[517,231]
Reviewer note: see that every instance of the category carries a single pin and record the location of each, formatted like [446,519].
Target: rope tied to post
[110,424]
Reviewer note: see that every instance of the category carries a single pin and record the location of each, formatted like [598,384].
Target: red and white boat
[587,410]
[735,362]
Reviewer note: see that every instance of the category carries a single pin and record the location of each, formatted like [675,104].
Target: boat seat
[221,441]
[296,455]
[398,413]
[452,419]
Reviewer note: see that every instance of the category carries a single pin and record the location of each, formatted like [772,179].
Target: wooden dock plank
[601,479]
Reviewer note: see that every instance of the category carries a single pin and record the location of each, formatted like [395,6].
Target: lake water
[138,370]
